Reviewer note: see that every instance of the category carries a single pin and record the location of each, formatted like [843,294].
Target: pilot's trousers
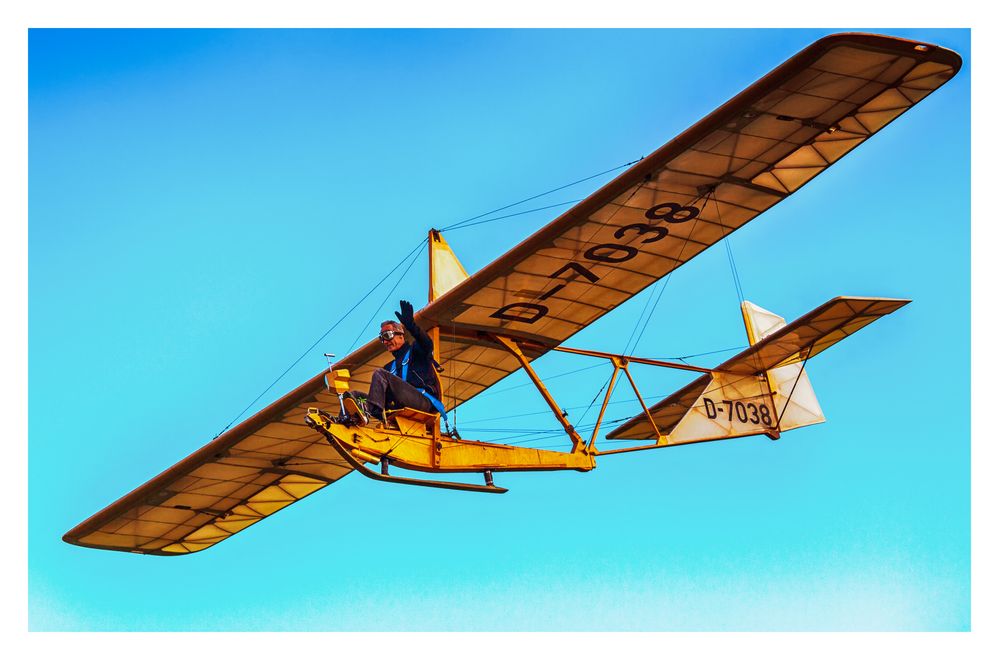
[388,391]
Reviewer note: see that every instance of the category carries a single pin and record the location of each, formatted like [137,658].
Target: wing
[259,467]
[718,175]
[745,157]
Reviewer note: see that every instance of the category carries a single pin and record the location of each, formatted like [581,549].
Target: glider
[742,159]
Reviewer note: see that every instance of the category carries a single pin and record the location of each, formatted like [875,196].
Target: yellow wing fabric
[718,175]
[802,339]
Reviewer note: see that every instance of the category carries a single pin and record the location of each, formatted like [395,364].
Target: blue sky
[204,205]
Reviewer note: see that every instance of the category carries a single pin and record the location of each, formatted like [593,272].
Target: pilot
[408,380]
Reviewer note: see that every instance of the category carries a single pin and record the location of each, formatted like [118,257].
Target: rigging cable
[470,222]
[512,215]
[385,299]
[546,411]
[458,225]
[683,358]
[515,387]
[316,343]
[665,281]
[599,392]
[465,222]
[662,289]
[652,293]
[731,256]
[787,401]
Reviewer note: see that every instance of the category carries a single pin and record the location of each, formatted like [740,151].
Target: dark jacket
[421,360]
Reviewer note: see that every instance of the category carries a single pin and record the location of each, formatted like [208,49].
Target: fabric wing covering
[743,158]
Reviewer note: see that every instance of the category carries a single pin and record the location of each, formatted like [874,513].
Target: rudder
[794,399]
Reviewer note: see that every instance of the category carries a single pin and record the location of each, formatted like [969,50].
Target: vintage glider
[742,159]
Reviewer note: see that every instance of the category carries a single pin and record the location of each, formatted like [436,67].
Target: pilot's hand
[406,315]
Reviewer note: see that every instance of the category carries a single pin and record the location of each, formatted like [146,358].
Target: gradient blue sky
[203,205]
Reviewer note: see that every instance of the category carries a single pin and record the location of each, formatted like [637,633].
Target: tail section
[789,386]
[764,389]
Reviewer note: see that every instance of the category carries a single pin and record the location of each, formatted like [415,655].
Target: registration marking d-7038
[605,253]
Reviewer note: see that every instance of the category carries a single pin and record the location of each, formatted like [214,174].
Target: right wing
[259,467]
[745,157]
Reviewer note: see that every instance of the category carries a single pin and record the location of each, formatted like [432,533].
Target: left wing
[259,467]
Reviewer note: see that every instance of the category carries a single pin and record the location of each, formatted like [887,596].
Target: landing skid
[325,423]
[410,481]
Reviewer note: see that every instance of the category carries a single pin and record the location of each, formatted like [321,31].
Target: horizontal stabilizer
[741,382]
[811,334]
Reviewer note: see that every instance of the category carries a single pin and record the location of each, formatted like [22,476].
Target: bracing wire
[516,387]
[652,294]
[693,355]
[735,271]
[594,400]
[547,411]
[662,288]
[468,222]
[731,257]
[385,299]
[465,222]
[324,335]
[512,215]
[646,314]
[482,217]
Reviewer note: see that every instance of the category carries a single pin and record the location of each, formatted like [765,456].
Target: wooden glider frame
[620,363]
[740,160]
[757,380]
[413,439]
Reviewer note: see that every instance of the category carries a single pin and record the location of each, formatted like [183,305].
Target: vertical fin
[794,397]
